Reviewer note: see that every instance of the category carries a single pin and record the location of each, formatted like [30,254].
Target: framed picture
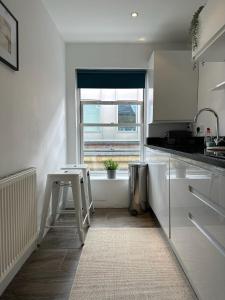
[9,44]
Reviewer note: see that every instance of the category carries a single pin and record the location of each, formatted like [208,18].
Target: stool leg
[55,200]
[91,203]
[64,196]
[45,209]
[76,189]
[85,197]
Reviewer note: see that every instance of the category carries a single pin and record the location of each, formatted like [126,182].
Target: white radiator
[18,222]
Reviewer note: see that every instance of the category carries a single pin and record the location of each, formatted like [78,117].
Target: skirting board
[18,264]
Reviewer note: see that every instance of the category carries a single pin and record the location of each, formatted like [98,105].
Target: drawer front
[203,259]
[212,187]
[209,214]
[198,227]
[210,184]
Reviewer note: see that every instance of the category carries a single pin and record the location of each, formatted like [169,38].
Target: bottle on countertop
[209,142]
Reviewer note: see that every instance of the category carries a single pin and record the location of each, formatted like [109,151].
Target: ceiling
[111,21]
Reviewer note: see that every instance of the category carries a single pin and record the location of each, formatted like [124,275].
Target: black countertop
[192,153]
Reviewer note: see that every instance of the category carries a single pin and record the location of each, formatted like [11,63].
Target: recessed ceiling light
[142,39]
[134,14]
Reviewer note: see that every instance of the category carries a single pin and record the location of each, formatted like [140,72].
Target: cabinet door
[198,226]
[173,87]
[158,185]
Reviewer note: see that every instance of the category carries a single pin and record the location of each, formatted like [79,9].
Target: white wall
[210,74]
[32,101]
[110,193]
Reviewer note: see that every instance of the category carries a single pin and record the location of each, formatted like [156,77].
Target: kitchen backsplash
[159,130]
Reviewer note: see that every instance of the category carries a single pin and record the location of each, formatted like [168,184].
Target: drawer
[210,184]
[209,214]
[202,257]
[197,222]
[212,187]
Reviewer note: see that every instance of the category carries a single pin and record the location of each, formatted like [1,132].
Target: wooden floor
[49,272]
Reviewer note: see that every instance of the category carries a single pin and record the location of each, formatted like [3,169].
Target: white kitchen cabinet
[197,207]
[211,35]
[158,185]
[171,87]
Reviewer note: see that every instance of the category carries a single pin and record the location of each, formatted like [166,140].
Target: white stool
[89,205]
[55,181]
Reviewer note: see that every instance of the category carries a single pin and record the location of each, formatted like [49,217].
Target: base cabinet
[197,207]
[189,202]
[158,185]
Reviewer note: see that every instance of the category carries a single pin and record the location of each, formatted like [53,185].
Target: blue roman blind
[111,79]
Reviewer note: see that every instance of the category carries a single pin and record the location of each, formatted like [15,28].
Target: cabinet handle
[217,208]
[209,237]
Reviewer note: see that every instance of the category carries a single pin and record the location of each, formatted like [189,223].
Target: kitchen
[177,128]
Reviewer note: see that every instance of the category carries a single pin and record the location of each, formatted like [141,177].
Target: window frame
[140,124]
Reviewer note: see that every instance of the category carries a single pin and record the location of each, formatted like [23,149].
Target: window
[111,126]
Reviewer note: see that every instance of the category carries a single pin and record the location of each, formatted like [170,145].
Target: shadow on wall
[51,153]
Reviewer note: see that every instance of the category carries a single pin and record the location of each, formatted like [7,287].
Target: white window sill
[103,176]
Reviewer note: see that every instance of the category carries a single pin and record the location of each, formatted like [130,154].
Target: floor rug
[129,264]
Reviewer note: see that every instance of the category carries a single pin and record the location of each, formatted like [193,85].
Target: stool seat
[55,181]
[74,166]
[65,173]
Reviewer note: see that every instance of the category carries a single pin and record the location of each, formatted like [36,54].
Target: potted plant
[111,167]
[194,28]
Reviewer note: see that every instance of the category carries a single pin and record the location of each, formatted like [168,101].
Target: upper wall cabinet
[171,87]
[211,35]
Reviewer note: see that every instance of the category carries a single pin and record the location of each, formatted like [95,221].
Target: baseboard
[17,265]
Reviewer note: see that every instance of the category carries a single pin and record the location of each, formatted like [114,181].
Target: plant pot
[111,174]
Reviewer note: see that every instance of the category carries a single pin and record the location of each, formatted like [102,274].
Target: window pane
[108,95]
[91,115]
[123,147]
[129,94]
[111,94]
[127,114]
[90,94]
[105,114]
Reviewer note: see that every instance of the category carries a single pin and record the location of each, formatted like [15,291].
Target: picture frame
[9,38]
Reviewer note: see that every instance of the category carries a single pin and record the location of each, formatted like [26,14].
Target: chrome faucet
[217,139]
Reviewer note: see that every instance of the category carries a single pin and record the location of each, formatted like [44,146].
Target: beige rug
[129,264]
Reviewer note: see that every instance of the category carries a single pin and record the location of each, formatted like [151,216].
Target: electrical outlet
[198,129]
